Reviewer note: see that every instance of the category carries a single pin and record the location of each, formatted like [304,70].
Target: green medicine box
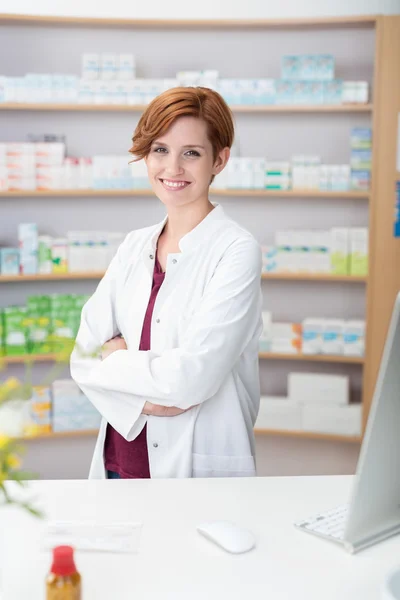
[15,330]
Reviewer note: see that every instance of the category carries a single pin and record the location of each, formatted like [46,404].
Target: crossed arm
[155,410]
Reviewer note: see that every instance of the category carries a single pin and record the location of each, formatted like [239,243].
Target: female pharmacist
[177,314]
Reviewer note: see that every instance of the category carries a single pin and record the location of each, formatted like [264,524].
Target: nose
[173,166]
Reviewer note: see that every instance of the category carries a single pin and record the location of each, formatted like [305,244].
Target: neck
[183,219]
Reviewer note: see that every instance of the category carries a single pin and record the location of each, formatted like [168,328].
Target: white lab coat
[205,331]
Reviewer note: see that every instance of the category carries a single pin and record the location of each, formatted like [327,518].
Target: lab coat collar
[200,234]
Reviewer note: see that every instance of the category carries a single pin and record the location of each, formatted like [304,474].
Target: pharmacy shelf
[313,435]
[314,277]
[51,277]
[313,22]
[349,194]
[269,108]
[327,358]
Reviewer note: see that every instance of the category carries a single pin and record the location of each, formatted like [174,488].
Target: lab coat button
[155,445]
[157,320]
[174,261]
[151,256]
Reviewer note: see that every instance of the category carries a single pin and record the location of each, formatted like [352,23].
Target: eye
[160,150]
[192,153]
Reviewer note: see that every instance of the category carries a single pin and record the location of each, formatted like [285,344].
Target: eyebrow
[187,145]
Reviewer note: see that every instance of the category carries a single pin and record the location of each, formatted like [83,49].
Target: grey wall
[275,136]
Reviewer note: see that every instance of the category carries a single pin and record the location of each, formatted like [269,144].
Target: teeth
[174,184]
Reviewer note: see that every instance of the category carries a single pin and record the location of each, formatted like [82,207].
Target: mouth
[174,185]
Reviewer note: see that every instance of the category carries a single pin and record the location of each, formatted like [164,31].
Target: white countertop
[175,562]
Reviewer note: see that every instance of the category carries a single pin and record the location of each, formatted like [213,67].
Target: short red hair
[199,102]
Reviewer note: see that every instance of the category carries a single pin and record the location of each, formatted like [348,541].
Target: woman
[177,314]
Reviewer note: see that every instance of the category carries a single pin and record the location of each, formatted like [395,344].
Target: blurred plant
[11,451]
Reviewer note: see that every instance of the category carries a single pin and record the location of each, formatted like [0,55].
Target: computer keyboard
[330,524]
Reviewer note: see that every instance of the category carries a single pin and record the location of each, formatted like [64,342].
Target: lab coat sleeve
[98,324]
[226,319]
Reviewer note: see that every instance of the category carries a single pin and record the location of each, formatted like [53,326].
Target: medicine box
[72,411]
[359,251]
[39,325]
[15,330]
[279,413]
[291,67]
[315,388]
[354,338]
[90,66]
[312,332]
[39,412]
[342,420]
[340,247]
[332,336]
[9,261]
[361,138]
[28,248]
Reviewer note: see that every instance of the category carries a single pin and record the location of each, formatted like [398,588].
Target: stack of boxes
[315,402]
[31,166]
[277,175]
[108,66]
[43,166]
[349,251]
[310,79]
[65,319]
[59,408]
[71,410]
[78,251]
[361,158]
[302,172]
[333,336]
[45,325]
[110,78]
[38,420]
[277,337]
[340,251]
[313,336]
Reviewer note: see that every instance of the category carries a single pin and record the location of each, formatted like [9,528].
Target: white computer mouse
[228,536]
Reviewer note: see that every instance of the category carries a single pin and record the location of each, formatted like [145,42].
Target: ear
[221,161]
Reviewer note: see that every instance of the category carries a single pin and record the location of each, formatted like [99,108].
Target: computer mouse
[228,536]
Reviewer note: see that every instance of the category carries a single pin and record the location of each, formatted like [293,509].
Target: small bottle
[63,581]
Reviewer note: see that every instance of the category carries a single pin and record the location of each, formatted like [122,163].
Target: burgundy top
[131,459]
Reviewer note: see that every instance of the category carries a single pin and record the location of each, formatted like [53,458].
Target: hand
[155,410]
[117,343]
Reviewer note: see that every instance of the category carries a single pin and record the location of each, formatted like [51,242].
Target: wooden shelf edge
[269,108]
[59,434]
[315,277]
[267,276]
[328,358]
[257,431]
[310,435]
[345,21]
[27,358]
[51,277]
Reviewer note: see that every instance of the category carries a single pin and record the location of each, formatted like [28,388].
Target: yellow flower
[13,461]
[4,441]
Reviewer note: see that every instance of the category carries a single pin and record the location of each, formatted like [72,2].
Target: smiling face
[180,163]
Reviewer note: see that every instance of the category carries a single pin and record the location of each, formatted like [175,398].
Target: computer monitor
[374,511]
